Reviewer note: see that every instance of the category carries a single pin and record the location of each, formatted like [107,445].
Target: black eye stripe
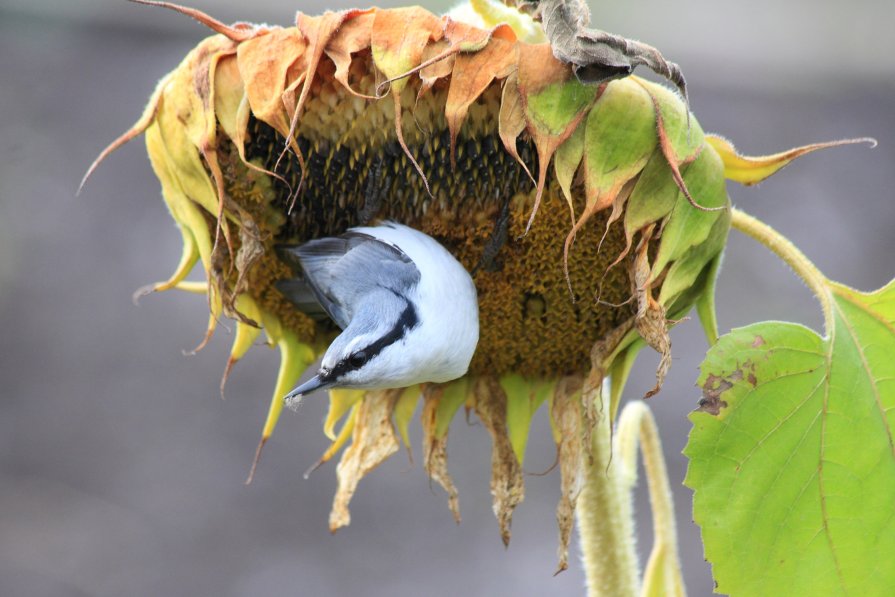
[406,322]
[358,359]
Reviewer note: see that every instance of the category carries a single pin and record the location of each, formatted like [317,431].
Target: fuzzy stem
[663,570]
[793,257]
[605,522]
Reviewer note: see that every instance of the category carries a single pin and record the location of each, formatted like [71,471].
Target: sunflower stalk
[605,508]
[636,427]
[793,257]
[605,516]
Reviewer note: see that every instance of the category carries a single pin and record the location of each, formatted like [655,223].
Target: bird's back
[445,297]
[369,278]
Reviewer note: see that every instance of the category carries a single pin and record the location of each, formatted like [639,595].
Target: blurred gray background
[121,469]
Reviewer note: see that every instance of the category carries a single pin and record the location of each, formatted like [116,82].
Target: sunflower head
[591,216]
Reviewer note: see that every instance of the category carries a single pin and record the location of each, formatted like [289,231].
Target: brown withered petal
[507,487]
[568,420]
[435,448]
[374,440]
[650,318]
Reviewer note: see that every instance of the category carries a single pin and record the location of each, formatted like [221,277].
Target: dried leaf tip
[597,56]
[236,32]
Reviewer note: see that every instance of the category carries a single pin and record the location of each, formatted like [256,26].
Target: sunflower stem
[605,523]
[636,425]
[792,256]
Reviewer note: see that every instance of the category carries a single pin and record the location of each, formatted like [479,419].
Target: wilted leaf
[264,63]
[435,444]
[397,46]
[237,32]
[228,95]
[373,441]
[352,36]
[317,31]
[791,453]
[598,56]
[511,119]
[438,66]
[567,418]
[507,487]
[472,74]
[650,320]
[398,49]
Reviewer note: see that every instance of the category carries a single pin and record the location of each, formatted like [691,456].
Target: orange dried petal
[473,73]
[353,36]
[264,62]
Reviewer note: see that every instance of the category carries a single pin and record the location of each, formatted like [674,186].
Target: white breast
[442,346]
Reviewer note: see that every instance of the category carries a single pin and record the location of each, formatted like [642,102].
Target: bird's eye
[357,359]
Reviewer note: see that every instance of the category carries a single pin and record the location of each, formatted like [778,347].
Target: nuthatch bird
[408,310]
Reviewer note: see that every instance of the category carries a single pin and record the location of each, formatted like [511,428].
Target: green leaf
[791,454]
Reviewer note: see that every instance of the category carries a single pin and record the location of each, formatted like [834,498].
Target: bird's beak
[294,397]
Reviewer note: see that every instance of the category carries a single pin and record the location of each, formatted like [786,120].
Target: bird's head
[367,354]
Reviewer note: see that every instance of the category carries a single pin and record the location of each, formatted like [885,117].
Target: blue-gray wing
[339,271]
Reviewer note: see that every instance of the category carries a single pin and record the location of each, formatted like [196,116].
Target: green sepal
[451,400]
[567,159]
[619,139]
[705,302]
[654,195]
[551,109]
[404,409]
[688,226]
[685,271]
[685,135]
[524,398]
